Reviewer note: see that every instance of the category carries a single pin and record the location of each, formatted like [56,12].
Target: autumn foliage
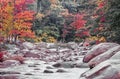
[79,22]
[16,19]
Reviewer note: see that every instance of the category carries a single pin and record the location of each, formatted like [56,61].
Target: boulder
[72,45]
[104,56]
[97,50]
[28,45]
[61,70]
[81,65]
[48,71]
[116,56]
[51,45]
[64,64]
[9,77]
[57,65]
[49,67]
[15,57]
[28,74]
[9,72]
[8,63]
[108,69]
[41,45]
[33,55]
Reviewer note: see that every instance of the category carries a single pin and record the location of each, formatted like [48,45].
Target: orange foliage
[15,18]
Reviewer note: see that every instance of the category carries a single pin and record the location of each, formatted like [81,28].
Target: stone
[28,45]
[41,45]
[108,69]
[32,66]
[8,63]
[17,58]
[81,65]
[48,71]
[28,74]
[49,67]
[116,56]
[64,65]
[61,70]
[9,77]
[72,45]
[97,50]
[9,72]
[37,69]
[104,56]
[33,55]
[57,65]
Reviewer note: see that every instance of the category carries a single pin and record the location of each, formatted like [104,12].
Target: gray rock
[9,72]
[8,63]
[28,74]
[48,71]
[108,69]
[57,65]
[97,50]
[81,65]
[49,67]
[9,77]
[61,70]
[64,65]
[33,55]
[28,45]
[104,56]
[116,56]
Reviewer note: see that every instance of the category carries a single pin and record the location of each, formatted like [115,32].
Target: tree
[113,17]
[79,24]
[16,19]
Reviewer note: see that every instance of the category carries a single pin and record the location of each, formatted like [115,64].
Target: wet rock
[33,55]
[57,65]
[81,65]
[108,69]
[9,72]
[37,69]
[104,56]
[49,67]
[32,66]
[97,50]
[48,71]
[28,45]
[9,63]
[9,77]
[64,65]
[72,45]
[28,74]
[51,45]
[17,58]
[116,56]
[41,45]
[61,70]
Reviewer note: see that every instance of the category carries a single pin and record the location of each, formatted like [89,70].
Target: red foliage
[102,19]
[83,33]
[1,56]
[79,21]
[101,5]
[28,34]
[14,32]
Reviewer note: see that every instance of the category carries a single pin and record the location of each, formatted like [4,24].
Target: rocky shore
[60,61]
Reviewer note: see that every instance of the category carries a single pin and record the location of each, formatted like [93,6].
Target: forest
[59,20]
